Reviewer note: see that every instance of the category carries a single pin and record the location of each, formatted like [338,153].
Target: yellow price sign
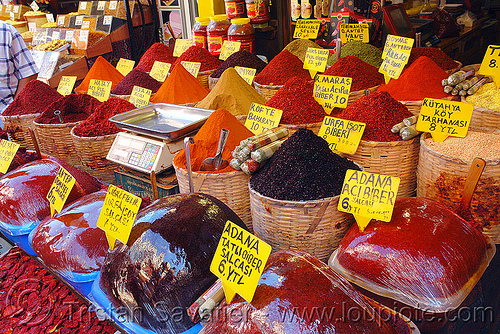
[354,32]
[442,118]
[60,190]
[306,29]
[159,71]
[332,91]
[342,135]
[239,261]
[118,215]
[403,44]
[368,196]
[182,45]
[124,66]
[491,63]
[315,60]
[393,64]
[192,67]
[8,151]
[261,118]
[228,48]
[246,73]
[140,96]
[66,85]
[100,89]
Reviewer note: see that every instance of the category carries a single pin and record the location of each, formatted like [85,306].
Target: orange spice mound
[101,70]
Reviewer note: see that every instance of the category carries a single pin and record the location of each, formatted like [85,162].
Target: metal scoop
[217,162]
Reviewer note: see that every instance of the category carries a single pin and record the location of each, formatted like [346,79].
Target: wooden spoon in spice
[475,172]
[216,163]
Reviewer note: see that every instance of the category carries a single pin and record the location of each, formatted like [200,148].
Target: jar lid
[240,21]
[202,20]
[218,18]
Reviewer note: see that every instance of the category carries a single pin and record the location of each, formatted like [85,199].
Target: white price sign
[113,5]
[50,18]
[79,20]
[32,26]
[107,20]
[101,5]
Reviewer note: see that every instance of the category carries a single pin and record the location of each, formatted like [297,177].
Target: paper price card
[34,6]
[118,215]
[306,29]
[393,64]
[79,19]
[124,66]
[399,43]
[61,20]
[239,261]
[140,96]
[32,26]
[246,73]
[99,89]
[331,91]
[66,85]
[15,9]
[159,71]
[50,18]
[60,190]
[261,118]
[182,45]
[342,135]
[192,67]
[368,196]
[354,32]
[491,63]
[444,118]
[8,150]
[228,48]
[315,60]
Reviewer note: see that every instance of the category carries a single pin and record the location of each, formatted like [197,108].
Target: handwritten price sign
[306,29]
[261,118]
[100,89]
[491,63]
[342,135]
[8,150]
[60,190]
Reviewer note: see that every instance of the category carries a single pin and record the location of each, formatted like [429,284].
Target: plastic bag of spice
[445,25]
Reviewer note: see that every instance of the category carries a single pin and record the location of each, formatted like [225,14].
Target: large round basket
[442,178]
[212,82]
[55,140]
[394,158]
[353,96]
[231,188]
[266,90]
[203,77]
[312,226]
[484,119]
[18,128]
[292,128]
[92,152]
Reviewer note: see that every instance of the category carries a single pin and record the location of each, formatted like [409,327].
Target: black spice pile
[241,58]
[304,168]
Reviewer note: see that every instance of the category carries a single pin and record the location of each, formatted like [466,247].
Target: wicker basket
[212,82]
[203,77]
[442,178]
[353,96]
[92,152]
[484,119]
[55,140]
[316,227]
[265,90]
[123,97]
[18,128]
[231,188]
[456,69]
[394,158]
[292,128]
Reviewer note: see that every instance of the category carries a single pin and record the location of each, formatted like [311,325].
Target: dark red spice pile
[73,107]
[199,55]
[241,58]
[33,301]
[296,100]
[157,52]
[380,112]
[33,99]
[136,78]
[363,74]
[4,135]
[282,67]
[438,56]
[98,123]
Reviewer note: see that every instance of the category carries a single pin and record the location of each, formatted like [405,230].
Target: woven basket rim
[27,116]
[300,125]
[105,137]
[267,86]
[206,72]
[64,125]
[361,91]
[281,202]
[388,143]
[209,175]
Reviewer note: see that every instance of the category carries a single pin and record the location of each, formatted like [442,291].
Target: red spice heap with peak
[438,56]
[98,124]
[156,52]
[296,100]
[422,79]
[136,78]
[380,112]
[73,108]
[199,55]
[32,99]
[363,74]
[282,67]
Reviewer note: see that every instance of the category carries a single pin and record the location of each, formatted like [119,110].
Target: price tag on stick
[342,135]
[8,151]
[100,89]
[182,45]
[140,96]
[60,190]
[66,85]
[491,63]
[246,73]
[331,91]
[124,66]
[192,67]
[159,71]
[261,118]
[306,29]
[393,64]
[228,48]
[315,60]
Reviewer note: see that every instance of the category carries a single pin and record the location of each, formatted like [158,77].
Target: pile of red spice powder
[32,99]
[98,124]
[438,56]
[422,79]
[282,67]
[136,78]
[380,112]
[363,74]
[201,55]
[296,100]
[156,52]
[73,108]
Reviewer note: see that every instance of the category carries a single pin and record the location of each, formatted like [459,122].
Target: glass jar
[200,31]
[217,33]
[258,11]
[242,31]
[235,8]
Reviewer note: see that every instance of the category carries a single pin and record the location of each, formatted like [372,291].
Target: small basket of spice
[486,113]
[201,55]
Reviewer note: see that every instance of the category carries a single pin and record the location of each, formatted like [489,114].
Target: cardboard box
[139,184]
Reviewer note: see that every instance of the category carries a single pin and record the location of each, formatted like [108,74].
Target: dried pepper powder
[98,124]
[363,75]
[136,78]
[156,52]
[241,58]
[302,169]
[101,70]
[4,135]
[439,57]
[73,108]
[380,112]
[296,100]
[32,99]
[199,55]
[281,68]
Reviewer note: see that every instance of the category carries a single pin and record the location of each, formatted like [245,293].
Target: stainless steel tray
[162,120]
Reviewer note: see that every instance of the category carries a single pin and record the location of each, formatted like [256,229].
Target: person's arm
[22,82]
